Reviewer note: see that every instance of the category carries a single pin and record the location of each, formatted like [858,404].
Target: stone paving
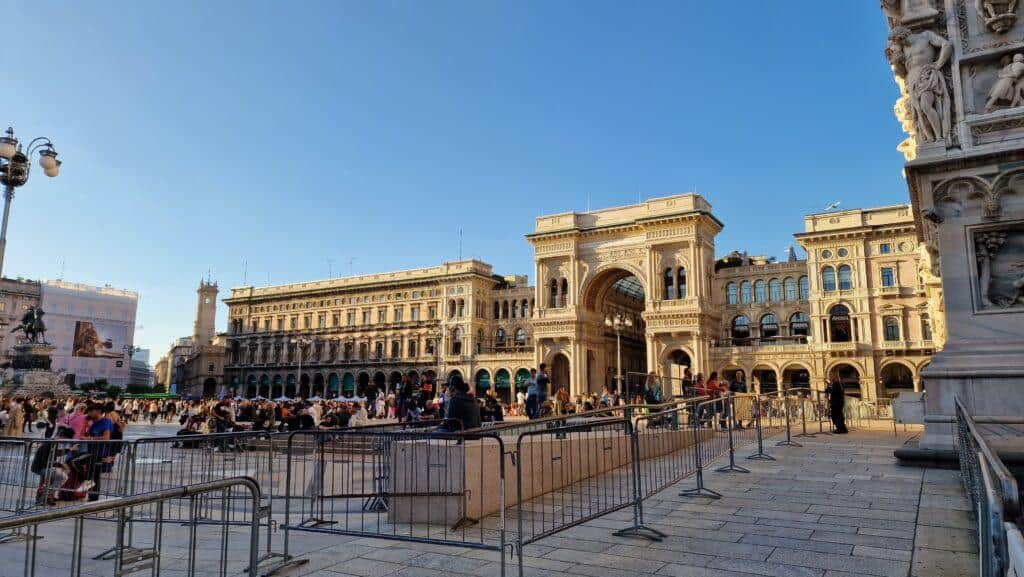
[839,506]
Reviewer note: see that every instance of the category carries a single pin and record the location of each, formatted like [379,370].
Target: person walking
[532,401]
[836,394]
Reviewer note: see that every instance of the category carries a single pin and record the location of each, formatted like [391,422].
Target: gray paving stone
[948,539]
[763,568]
[801,544]
[882,553]
[935,563]
[866,540]
[863,565]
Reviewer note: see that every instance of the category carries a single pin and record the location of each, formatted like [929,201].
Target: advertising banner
[99,340]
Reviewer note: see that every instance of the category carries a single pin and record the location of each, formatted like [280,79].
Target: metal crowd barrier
[413,482]
[445,488]
[158,554]
[992,489]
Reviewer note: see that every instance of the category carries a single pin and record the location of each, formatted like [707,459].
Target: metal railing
[992,490]
[500,487]
[155,556]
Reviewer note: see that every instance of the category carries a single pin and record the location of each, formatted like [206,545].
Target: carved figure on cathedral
[997,15]
[1007,89]
[919,57]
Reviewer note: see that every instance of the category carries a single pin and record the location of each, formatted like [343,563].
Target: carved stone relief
[997,15]
[920,59]
[1008,90]
[974,196]
[1000,254]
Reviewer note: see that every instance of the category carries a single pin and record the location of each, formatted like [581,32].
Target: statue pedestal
[32,375]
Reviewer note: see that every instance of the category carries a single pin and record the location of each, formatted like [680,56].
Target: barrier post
[803,417]
[732,467]
[698,432]
[789,442]
[639,529]
[17,534]
[760,455]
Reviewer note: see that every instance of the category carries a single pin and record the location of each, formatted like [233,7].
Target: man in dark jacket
[461,405]
[836,403]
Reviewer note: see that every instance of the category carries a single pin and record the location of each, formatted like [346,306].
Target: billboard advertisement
[99,340]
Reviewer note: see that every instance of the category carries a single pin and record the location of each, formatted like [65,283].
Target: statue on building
[919,58]
[997,15]
[1007,89]
[32,325]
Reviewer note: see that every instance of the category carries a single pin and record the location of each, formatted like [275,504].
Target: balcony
[890,291]
[850,347]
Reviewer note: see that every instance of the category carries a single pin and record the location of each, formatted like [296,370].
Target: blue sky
[201,135]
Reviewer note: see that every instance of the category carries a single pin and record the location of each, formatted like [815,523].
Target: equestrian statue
[32,326]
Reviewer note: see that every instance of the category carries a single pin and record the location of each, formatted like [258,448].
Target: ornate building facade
[347,333]
[638,283]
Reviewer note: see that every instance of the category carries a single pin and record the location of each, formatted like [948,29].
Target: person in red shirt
[717,391]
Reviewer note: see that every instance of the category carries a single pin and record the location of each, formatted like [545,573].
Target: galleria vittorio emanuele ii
[864,306]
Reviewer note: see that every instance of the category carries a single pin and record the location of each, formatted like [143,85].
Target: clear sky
[295,136]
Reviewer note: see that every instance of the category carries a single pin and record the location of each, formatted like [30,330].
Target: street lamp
[617,322]
[300,342]
[15,164]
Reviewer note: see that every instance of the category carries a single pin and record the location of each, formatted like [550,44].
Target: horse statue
[32,326]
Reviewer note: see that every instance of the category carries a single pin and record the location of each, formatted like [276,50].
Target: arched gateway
[628,278]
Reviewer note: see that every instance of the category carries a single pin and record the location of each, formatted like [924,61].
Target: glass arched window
[681,285]
[805,288]
[564,296]
[669,286]
[740,328]
[746,294]
[457,341]
[525,310]
[731,294]
[799,324]
[845,278]
[499,338]
[839,324]
[759,291]
[462,308]
[520,337]
[479,345]
[451,308]
[396,349]
[412,349]
[515,309]
[789,285]
[926,327]
[379,349]
[775,290]
[769,326]
[504,310]
[497,310]
[828,279]
[892,329]
[554,295]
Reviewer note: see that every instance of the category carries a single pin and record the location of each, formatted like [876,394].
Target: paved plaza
[837,507]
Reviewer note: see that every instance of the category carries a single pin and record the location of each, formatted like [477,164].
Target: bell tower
[206,314]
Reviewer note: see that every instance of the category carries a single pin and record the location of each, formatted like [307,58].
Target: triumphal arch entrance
[632,278]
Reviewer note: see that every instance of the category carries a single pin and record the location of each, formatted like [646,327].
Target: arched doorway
[348,384]
[482,382]
[503,385]
[559,373]
[849,376]
[767,377]
[209,387]
[839,325]
[304,386]
[379,380]
[522,375]
[394,380]
[289,386]
[278,387]
[614,302]
[896,377]
[678,362]
[333,385]
[452,374]
[264,388]
[796,376]
[318,385]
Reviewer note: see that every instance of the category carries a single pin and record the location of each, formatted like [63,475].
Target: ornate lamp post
[617,322]
[15,162]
